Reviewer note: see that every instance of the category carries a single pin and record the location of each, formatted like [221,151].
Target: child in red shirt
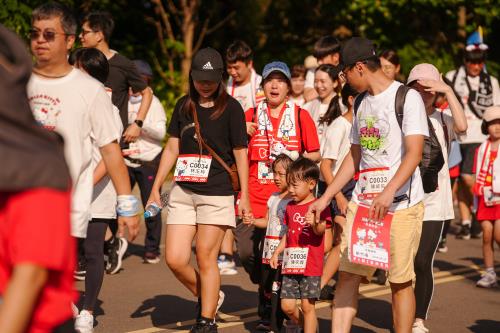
[487,191]
[303,246]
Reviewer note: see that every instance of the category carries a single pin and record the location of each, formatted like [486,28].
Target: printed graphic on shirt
[373,134]
[46,109]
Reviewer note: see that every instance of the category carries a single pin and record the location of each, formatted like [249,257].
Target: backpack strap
[399,103]
[358,100]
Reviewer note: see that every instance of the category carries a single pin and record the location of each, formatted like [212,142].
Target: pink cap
[491,113]
[423,72]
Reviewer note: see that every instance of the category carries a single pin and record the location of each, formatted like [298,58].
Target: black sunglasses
[48,35]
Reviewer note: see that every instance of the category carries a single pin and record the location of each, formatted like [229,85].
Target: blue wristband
[127,205]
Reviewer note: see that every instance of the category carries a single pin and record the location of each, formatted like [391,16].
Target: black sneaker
[464,232]
[263,325]
[442,248]
[203,326]
[81,270]
[115,255]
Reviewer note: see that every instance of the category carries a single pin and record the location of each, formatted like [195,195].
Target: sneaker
[226,266]
[464,232]
[151,258]
[488,280]
[442,248]
[418,327]
[81,270]
[84,322]
[263,325]
[203,326]
[326,293]
[116,253]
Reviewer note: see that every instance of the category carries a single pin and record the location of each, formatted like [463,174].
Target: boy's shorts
[300,287]
[406,228]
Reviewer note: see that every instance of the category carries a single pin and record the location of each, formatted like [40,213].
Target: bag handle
[202,142]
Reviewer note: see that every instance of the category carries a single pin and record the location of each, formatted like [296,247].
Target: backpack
[432,156]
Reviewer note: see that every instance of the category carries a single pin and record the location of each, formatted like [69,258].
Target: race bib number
[192,168]
[490,198]
[294,260]
[265,173]
[372,182]
[370,240]
[270,245]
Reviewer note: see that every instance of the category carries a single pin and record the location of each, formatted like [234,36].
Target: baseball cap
[357,49]
[423,72]
[143,67]
[491,113]
[276,66]
[207,65]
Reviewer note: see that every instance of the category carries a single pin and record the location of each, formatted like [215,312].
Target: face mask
[135,99]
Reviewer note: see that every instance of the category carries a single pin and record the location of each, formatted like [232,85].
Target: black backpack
[432,155]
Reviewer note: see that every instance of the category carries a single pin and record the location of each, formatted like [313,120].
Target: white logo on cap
[208,65]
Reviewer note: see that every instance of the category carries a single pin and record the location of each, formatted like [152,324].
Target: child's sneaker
[226,266]
[84,322]
[488,280]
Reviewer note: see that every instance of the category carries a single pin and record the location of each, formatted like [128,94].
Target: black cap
[207,65]
[357,49]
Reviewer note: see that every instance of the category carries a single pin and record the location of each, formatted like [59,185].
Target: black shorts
[300,287]
[468,151]
[347,192]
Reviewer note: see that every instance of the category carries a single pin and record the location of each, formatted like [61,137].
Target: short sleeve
[237,125]
[134,79]
[414,115]
[174,126]
[102,119]
[308,132]
[326,215]
[333,140]
[309,79]
[287,214]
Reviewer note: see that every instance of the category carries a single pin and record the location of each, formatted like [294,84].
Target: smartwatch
[139,123]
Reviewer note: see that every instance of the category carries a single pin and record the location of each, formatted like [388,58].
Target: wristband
[127,205]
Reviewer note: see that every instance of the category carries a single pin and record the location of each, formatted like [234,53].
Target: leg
[496,232]
[145,176]
[487,227]
[289,307]
[228,243]
[424,286]
[346,302]
[178,240]
[94,254]
[403,306]
[309,313]
[331,265]
[248,241]
[208,241]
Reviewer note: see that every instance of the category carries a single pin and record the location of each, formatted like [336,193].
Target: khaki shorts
[188,208]
[406,228]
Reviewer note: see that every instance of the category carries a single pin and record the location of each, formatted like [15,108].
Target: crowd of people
[334,169]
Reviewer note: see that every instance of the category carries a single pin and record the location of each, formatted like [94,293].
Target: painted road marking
[372,290]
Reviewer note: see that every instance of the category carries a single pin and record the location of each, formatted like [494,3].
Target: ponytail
[334,111]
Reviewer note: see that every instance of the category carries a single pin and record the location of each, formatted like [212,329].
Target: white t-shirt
[248,95]
[377,131]
[474,134]
[317,110]
[74,106]
[297,100]
[309,79]
[336,142]
[149,143]
[439,204]
[104,195]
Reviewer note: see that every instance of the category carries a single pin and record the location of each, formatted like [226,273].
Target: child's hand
[248,219]
[310,218]
[273,262]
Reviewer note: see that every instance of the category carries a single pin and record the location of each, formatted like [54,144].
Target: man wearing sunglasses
[476,90]
[65,100]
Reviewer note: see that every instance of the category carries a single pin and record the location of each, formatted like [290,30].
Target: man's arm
[20,297]
[310,94]
[133,130]
[414,145]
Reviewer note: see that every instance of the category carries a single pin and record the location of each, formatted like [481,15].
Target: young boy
[303,246]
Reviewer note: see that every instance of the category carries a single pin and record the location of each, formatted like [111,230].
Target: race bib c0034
[192,168]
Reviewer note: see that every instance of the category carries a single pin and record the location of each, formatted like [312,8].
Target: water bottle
[153,209]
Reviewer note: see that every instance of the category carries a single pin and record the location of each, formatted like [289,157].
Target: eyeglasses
[48,35]
[85,32]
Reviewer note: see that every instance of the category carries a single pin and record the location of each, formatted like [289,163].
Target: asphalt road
[145,298]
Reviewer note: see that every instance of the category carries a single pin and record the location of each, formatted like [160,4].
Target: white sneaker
[418,327]
[226,267]
[84,322]
[222,296]
[488,280]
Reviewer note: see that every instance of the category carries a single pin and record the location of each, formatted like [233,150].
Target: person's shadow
[485,326]
[376,312]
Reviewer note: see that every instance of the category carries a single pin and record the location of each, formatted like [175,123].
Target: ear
[336,58]
[311,184]
[100,36]
[350,101]
[250,64]
[70,42]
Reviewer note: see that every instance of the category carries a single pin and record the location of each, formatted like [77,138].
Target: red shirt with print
[259,193]
[300,234]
